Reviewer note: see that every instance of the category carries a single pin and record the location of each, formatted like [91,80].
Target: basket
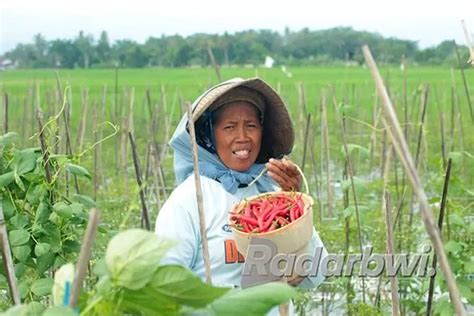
[292,238]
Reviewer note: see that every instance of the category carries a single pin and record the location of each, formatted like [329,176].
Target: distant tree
[303,47]
[103,48]
[65,54]
[85,45]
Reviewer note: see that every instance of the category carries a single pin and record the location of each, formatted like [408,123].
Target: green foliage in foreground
[159,290]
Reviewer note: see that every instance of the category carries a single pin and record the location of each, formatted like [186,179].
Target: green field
[448,124]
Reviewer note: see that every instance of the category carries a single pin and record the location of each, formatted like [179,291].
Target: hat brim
[278,134]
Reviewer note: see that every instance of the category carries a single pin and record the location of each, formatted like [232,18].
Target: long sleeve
[176,222]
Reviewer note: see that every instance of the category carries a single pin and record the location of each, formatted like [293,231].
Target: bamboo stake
[5,104]
[66,129]
[316,177]
[138,173]
[8,260]
[466,87]
[82,125]
[424,102]
[325,159]
[349,288]
[213,62]
[443,145]
[386,205]
[401,147]
[440,226]
[351,177]
[199,197]
[308,122]
[44,148]
[84,256]
[101,116]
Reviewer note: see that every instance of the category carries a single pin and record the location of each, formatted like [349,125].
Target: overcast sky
[424,21]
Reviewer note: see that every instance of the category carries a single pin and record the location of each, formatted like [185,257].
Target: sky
[424,21]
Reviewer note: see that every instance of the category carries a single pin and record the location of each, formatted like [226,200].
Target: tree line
[303,47]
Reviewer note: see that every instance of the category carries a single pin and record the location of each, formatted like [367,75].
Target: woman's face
[238,135]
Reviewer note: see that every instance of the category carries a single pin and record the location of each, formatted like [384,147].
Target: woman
[242,126]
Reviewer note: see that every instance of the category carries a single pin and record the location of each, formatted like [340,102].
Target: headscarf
[210,164]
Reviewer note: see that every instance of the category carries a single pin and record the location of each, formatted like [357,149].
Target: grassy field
[447,125]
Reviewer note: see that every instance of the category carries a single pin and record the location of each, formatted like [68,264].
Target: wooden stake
[8,260]
[440,226]
[401,147]
[466,87]
[213,62]
[138,173]
[199,197]
[44,148]
[351,177]
[308,122]
[390,240]
[82,125]
[84,256]
[325,159]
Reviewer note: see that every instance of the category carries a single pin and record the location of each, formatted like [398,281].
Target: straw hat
[277,136]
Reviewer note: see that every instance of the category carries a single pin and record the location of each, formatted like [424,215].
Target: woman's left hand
[285,173]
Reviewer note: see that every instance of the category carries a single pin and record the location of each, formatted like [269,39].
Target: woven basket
[290,239]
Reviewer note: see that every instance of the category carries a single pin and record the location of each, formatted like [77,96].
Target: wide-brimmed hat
[278,135]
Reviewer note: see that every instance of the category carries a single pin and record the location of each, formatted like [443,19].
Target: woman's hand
[285,173]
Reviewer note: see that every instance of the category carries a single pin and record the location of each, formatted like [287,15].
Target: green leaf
[37,194]
[54,237]
[19,221]
[182,286]
[33,308]
[28,159]
[44,262]
[78,170]
[256,300]
[147,302]
[18,237]
[71,246]
[22,253]
[42,248]
[23,288]
[42,287]
[8,139]
[8,207]
[7,178]
[20,269]
[453,247]
[85,200]
[63,210]
[59,311]
[42,212]
[133,256]
[18,182]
